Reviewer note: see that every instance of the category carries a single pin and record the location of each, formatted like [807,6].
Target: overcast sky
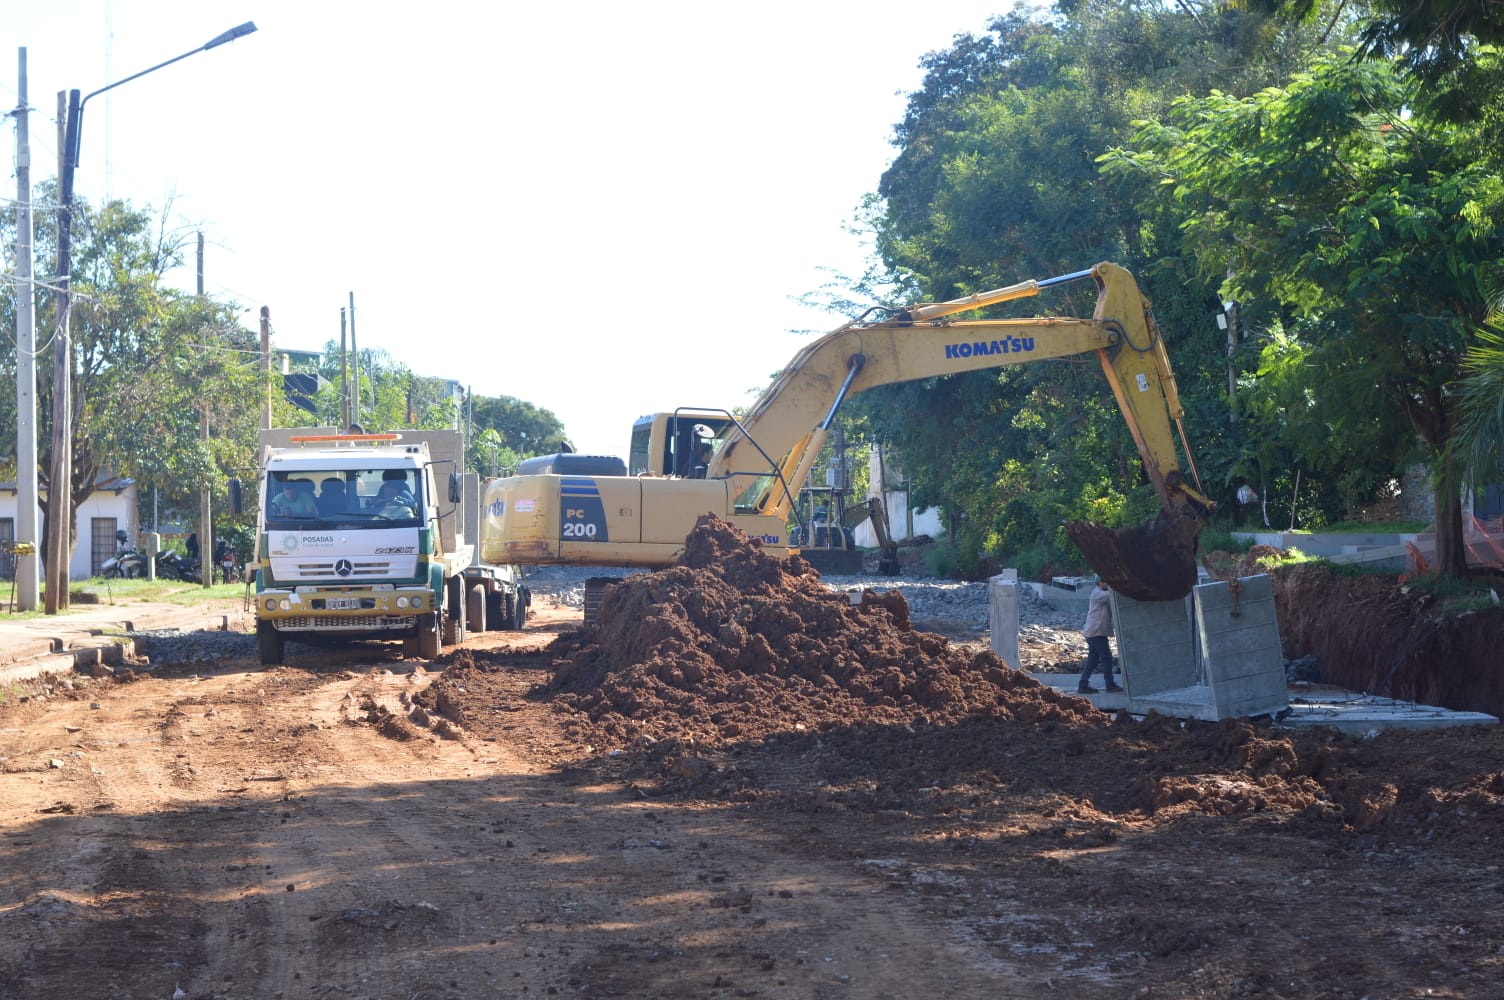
[605,209]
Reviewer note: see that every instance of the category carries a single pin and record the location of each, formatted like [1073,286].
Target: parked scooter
[126,562]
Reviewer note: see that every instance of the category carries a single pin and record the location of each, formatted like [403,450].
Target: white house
[110,508]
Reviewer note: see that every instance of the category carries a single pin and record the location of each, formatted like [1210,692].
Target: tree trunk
[1451,553]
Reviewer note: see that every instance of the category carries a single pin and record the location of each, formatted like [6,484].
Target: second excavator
[751,478]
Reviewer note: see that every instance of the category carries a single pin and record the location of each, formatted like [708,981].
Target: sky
[604,209]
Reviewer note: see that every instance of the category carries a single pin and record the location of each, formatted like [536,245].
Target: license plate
[343,604]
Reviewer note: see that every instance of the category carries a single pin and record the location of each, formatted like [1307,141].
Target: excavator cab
[679,443]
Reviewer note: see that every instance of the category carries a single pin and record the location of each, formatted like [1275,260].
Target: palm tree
[1480,438]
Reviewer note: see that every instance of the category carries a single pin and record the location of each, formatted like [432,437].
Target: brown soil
[740,785]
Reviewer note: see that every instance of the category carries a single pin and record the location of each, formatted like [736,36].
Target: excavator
[752,473]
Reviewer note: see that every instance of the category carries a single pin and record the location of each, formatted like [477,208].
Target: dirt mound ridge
[735,643]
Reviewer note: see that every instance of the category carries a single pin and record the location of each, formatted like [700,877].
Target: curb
[93,646]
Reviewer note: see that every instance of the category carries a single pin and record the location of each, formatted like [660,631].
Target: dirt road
[358,825]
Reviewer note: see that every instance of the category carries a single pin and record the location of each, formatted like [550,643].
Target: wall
[119,504]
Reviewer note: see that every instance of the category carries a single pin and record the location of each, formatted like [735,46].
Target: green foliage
[1377,527]
[151,364]
[392,397]
[1480,436]
[1388,290]
[525,429]
[998,163]
[102,591]
[1217,538]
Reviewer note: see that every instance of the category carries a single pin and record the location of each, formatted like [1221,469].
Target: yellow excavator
[582,511]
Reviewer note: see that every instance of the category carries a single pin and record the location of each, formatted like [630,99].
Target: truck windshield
[343,495]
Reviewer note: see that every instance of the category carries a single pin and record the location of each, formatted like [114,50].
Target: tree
[997,180]
[1373,225]
[147,361]
[524,428]
[1480,435]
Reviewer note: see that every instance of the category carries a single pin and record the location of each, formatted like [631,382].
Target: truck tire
[523,601]
[508,611]
[430,638]
[475,609]
[268,644]
[454,612]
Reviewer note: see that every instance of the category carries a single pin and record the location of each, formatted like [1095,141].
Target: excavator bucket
[1155,561]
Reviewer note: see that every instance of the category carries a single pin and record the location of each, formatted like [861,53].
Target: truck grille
[353,623]
[328,570]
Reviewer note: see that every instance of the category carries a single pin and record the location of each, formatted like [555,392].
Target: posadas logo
[290,543]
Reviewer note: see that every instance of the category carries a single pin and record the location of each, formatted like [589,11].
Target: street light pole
[60,479]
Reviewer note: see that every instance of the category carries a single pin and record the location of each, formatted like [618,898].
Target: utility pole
[266,366]
[26,560]
[60,481]
[344,374]
[206,494]
[1229,321]
[354,364]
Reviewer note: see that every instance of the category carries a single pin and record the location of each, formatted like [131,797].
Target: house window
[7,556]
[101,542]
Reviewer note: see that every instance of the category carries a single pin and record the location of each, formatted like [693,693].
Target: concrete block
[1155,650]
[1064,600]
[1002,615]
[1238,633]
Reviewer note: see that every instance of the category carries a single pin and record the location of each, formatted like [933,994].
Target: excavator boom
[791,419]
[763,460]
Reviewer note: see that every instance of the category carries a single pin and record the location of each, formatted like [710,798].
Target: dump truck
[759,462]
[365,536]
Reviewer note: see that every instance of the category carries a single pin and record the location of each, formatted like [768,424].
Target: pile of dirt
[1224,565]
[734,644]
[736,676]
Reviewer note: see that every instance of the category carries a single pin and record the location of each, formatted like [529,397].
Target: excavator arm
[791,421]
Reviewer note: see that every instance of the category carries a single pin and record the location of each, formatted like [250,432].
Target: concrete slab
[1360,714]
[1155,648]
[1309,707]
[1217,655]
[1243,661]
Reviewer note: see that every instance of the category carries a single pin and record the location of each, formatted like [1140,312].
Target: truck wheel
[454,615]
[508,612]
[268,643]
[496,613]
[475,609]
[430,639]
[522,602]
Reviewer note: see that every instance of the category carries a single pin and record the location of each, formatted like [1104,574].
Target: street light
[60,487]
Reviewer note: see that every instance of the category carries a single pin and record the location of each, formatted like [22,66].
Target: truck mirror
[456,488]
[235,500]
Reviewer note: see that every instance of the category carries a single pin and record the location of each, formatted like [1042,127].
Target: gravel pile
[176,646]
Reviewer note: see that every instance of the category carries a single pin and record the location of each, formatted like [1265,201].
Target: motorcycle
[171,566]
[190,571]
[224,558]
[126,562]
